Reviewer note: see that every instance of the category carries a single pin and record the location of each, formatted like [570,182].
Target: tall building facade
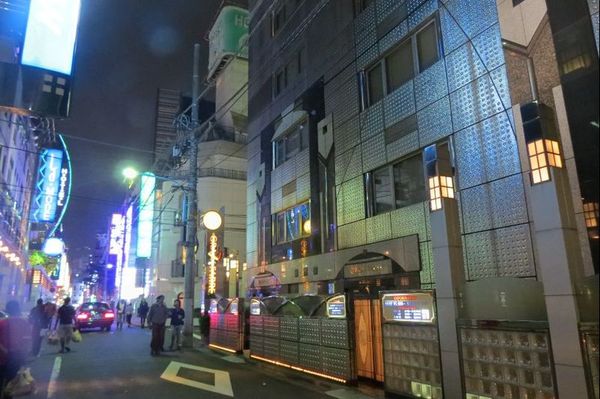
[18,157]
[433,146]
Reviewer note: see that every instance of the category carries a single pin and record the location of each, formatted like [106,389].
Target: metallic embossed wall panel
[402,146]
[367,42]
[364,23]
[348,165]
[347,135]
[378,228]
[303,188]
[489,47]
[413,219]
[435,122]
[349,205]
[421,13]
[430,85]
[427,273]
[394,36]
[352,235]
[385,7]
[343,101]
[476,208]
[374,152]
[453,36]
[479,252]
[302,163]
[514,251]
[371,120]
[368,57]
[486,151]
[474,102]
[276,200]
[473,18]
[463,66]
[399,104]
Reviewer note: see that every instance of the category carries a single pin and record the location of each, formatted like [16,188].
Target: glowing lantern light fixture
[439,173]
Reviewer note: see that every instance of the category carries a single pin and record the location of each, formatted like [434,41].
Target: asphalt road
[118,365]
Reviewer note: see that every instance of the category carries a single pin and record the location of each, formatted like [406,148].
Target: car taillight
[109,315]
[82,316]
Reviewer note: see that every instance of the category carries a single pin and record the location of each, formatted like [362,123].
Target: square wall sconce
[543,149]
[439,174]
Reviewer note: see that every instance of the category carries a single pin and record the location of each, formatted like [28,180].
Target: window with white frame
[415,54]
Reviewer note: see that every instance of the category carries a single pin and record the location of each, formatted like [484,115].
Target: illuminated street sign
[408,307]
[146,216]
[117,234]
[48,185]
[213,257]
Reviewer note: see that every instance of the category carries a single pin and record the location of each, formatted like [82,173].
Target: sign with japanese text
[410,307]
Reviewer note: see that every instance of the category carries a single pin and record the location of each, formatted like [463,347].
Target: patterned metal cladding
[373,152]
[256,345]
[347,135]
[352,235]
[427,273]
[350,163]
[334,333]
[289,328]
[403,146]
[271,326]
[256,325]
[349,209]
[378,228]
[310,356]
[463,66]
[480,255]
[371,121]
[431,85]
[393,36]
[474,102]
[288,352]
[399,104]
[336,362]
[410,220]
[309,331]
[514,251]
[421,12]
[435,122]
[271,348]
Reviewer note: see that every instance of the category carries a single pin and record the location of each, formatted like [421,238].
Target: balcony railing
[224,173]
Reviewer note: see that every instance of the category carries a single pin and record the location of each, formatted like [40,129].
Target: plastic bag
[43,332]
[76,336]
[53,338]
[22,384]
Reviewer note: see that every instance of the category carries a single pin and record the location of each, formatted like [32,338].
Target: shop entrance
[368,339]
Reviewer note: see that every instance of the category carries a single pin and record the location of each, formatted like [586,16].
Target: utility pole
[190,258]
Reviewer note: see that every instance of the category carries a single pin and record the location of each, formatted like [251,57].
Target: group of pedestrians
[125,313]
[157,318]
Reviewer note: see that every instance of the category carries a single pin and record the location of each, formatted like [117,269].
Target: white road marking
[222,380]
[54,376]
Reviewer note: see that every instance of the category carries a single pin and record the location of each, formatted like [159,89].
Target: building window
[280,81]
[279,18]
[375,83]
[395,186]
[292,224]
[399,66]
[291,144]
[590,214]
[299,61]
[414,55]
[427,46]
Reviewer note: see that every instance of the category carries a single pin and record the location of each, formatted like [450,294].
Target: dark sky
[126,50]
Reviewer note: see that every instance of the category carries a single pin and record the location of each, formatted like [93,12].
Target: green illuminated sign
[228,37]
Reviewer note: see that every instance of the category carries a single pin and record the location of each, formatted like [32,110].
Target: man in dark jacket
[177,316]
[157,317]
[39,321]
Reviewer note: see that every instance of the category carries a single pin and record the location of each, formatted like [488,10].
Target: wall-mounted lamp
[543,149]
[438,169]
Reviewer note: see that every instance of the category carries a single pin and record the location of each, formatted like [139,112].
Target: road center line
[54,376]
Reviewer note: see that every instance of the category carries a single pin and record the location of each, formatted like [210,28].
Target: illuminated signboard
[36,277]
[117,233]
[213,257]
[228,37]
[212,308]
[47,187]
[146,216]
[233,307]
[255,307]
[336,307]
[50,34]
[409,307]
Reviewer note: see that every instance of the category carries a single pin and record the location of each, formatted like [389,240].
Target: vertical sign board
[146,216]
[47,186]
[117,227]
[213,258]
[228,37]
[50,35]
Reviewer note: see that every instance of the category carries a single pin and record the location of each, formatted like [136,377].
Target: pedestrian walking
[143,312]
[177,316]
[39,325]
[64,324]
[157,317]
[128,313]
[120,314]
[14,342]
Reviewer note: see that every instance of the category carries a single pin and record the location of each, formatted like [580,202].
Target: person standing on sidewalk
[157,317]
[128,313]
[64,324]
[143,312]
[14,343]
[177,316]
[120,314]
[39,322]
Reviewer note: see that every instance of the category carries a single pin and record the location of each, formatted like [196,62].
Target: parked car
[94,315]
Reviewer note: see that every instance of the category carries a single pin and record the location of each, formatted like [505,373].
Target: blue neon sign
[50,35]
[48,184]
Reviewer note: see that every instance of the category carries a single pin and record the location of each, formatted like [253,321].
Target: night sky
[126,50]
